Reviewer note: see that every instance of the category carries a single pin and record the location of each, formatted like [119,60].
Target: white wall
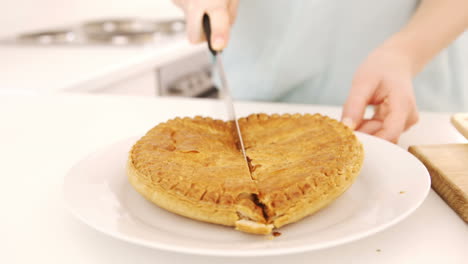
[25,15]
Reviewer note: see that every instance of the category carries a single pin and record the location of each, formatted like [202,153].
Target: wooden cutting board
[460,122]
[448,167]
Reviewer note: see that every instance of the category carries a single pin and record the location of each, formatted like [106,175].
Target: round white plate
[392,184]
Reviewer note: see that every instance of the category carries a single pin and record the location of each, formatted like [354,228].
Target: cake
[296,165]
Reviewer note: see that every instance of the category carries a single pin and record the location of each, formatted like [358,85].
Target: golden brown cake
[297,164]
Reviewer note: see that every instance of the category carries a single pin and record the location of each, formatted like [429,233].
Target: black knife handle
[207,31]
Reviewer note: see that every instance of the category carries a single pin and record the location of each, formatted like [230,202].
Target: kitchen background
[141,56]
[115,66]
[30,15]
[36,226]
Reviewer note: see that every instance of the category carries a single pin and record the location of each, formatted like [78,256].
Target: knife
[226,92]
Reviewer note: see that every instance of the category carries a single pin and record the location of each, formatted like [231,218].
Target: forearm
[433,27]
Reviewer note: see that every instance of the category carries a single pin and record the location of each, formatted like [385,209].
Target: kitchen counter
[43,136]
[26,69]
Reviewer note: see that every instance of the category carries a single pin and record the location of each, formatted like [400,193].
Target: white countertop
[43,136]
[26,69]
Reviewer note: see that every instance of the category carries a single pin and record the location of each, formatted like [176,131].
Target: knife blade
[225,91]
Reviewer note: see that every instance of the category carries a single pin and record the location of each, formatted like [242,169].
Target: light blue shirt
[307,51]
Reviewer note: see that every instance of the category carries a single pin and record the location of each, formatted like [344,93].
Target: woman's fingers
[220,25]
[394,123]
[233,4]
[359,97]
[370,126]
[222,14]
[413,118]
[193,16]
[384,80]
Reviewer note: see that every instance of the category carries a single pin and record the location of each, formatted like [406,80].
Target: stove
[113,31]
[187,77]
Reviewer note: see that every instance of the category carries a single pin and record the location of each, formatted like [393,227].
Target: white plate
[392,185]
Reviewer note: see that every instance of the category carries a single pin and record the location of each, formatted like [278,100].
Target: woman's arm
[433,27]
[385,77]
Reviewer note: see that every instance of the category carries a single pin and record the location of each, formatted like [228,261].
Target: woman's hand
[384,80]
[222,14]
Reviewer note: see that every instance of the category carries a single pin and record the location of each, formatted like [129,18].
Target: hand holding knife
[224,85]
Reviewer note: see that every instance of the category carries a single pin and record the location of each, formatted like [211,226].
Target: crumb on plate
[276,234]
